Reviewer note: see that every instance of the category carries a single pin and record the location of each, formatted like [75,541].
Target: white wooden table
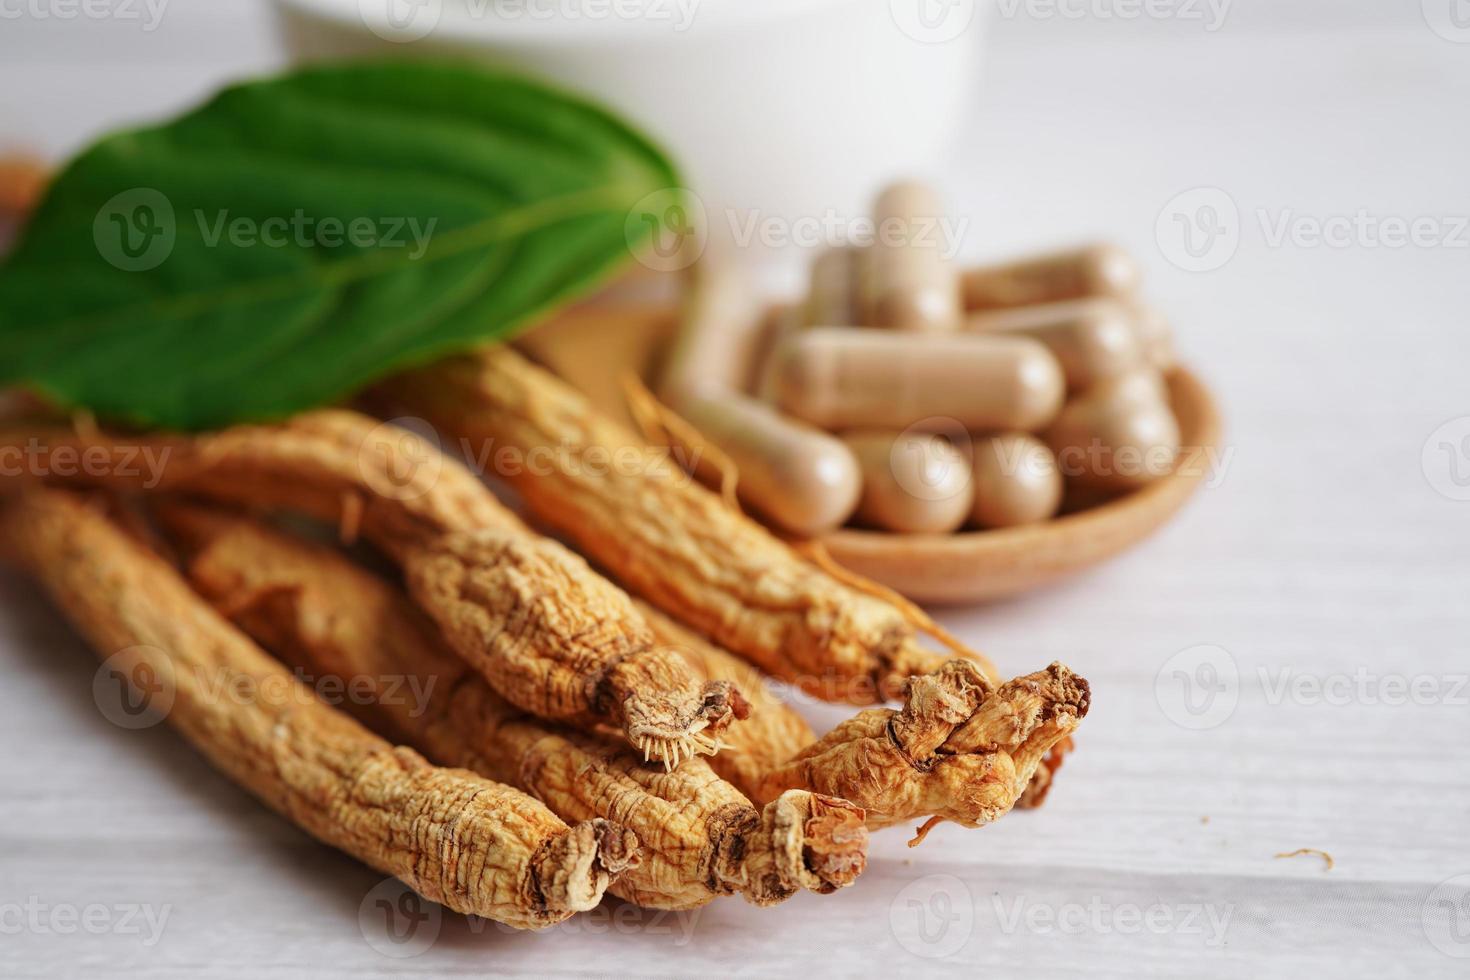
[1323,579]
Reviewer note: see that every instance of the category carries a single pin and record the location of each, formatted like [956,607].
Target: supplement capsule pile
[904,394]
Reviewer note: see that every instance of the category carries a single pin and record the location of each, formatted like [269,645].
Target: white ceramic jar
[784,115]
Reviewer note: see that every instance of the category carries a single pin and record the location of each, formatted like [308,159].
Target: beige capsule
[908,283]
[1016,481]
[1116,437]
[1093,270]
[839,379]
[1142,385]
[913,482]
[803,480]
[782,321]
[1155,336]
[832,294]
[1092,338]
[719,336]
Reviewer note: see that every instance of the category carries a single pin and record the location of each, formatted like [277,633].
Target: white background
[1331,549]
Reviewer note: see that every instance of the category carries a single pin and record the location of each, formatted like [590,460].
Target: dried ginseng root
[702,839]
[959,749]
[1045,776]
[885,761]
[773,733]
[550,634]
[666,538]
[474,845]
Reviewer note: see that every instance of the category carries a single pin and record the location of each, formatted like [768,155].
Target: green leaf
[297,238]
